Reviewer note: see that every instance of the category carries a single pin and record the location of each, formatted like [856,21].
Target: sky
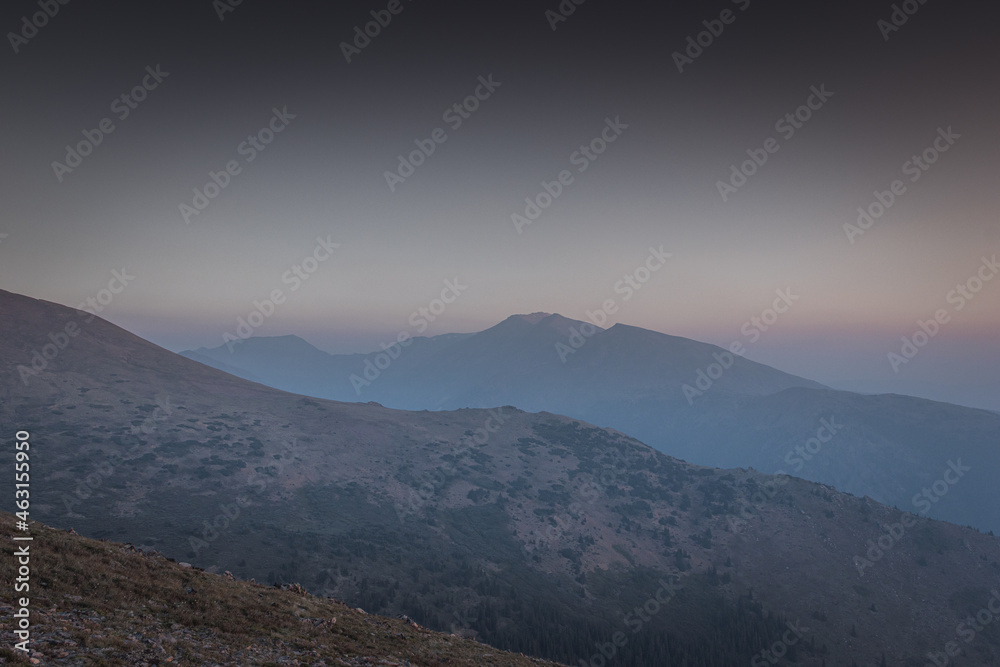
[204,150]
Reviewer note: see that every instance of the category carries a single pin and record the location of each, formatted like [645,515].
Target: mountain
[517,357]
[530,531]
[614,370]
[291,364]
[688,399]
[121,605]
[226,368]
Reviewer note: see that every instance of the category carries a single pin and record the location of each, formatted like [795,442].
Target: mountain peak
[280,344]
[539,321]
[532,318]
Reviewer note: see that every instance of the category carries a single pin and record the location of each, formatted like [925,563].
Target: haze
[543,94]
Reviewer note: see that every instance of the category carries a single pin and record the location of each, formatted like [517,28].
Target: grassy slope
[97,602]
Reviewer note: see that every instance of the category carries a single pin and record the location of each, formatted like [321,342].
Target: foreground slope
[100,602]
[533,532]
[888,447]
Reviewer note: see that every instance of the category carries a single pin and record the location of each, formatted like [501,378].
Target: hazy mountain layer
[688,399]
[532,531]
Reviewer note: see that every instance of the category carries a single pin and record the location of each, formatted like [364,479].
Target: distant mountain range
[691,400]
[533,532]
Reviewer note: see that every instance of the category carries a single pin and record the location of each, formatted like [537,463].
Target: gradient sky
[323,176]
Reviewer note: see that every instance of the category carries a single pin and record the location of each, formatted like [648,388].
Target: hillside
[100,602]
[531,531]
[887,447]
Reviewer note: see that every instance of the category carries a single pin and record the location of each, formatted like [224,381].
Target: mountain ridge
[532,531]
[693,400]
